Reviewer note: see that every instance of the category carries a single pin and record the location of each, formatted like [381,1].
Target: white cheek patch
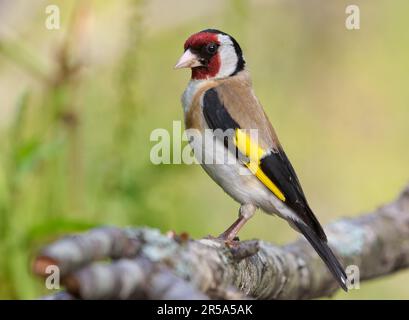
[228,57]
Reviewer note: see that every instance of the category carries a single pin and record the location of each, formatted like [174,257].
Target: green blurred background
[78,106]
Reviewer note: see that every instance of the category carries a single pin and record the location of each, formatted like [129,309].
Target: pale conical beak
[188,60]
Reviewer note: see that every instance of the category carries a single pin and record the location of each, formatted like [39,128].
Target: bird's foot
[223,238]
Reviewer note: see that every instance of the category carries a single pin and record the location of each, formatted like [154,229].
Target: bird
[220,98]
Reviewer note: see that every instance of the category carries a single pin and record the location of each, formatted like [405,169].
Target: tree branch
[143,263]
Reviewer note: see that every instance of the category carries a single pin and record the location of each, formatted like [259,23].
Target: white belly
[234,178]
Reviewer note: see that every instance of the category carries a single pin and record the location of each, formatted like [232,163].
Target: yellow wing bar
[252,150]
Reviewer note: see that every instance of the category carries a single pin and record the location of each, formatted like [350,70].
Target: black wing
[279,169]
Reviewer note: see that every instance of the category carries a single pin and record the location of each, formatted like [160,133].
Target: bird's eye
[211,48]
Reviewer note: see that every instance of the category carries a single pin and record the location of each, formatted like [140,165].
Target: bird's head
[211,54]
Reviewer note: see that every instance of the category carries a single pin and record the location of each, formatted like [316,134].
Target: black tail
[325,252]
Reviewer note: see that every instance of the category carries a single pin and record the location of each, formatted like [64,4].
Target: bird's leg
[246,211]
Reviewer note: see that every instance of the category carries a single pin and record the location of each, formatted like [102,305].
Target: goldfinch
[219,96]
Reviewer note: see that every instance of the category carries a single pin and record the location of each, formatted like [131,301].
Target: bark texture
[135,263]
